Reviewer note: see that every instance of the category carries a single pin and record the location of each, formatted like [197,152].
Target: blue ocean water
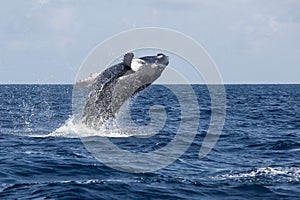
[256,157]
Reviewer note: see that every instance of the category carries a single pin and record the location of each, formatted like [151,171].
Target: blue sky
[251,41]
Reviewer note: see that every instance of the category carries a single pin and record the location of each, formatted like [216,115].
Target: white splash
[282,174]
[70,129]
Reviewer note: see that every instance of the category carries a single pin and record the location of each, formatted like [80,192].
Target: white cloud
[39,3]
[59,22]
[15,44]
[62,19]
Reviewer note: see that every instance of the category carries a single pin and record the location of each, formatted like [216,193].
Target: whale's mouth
[163,62]
[166,60]
[162,59]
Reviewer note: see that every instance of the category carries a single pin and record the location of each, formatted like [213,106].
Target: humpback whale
[116,84]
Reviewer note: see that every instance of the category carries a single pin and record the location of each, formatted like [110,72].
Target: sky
[251,41]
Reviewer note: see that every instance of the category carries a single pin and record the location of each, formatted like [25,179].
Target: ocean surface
[256,157]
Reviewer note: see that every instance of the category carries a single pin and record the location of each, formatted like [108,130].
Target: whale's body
[118,83]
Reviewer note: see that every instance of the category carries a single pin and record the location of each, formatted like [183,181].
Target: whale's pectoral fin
[128,58]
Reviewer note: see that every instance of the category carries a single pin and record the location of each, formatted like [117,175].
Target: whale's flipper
[113,72]
[128,58]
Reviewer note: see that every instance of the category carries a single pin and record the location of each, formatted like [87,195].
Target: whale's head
[160,61]
[145,70]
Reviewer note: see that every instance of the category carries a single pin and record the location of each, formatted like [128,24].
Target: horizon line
[229,83]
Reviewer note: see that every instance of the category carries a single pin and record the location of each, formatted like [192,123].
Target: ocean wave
[265,174]
[285,145]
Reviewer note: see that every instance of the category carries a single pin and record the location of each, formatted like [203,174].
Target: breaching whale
[118,83]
